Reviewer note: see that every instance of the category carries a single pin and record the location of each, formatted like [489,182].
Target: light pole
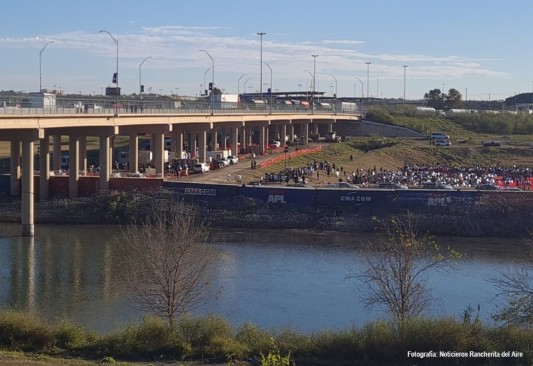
[239,88]
[404,68]
[307,89]
[212,81]
[261,34]
[367,78]
[40,73]
[204,92]
[246,82]
[267,65]
[140,76]
[314,85]
[116,73]
[335,96]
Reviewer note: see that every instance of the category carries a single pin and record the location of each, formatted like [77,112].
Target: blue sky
[483,48]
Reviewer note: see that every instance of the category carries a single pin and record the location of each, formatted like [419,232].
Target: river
[296,279]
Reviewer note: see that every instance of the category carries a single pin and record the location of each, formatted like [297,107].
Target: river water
[275,279]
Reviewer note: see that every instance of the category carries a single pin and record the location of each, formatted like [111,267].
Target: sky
[482,48]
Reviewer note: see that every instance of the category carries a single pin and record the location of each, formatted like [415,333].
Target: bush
[255,339]
[70,336]
[154,338]
[25,332]
[211,337]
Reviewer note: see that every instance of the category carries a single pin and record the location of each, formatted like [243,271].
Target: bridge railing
[140,106]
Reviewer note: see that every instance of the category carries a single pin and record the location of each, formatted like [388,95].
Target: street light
[314,85]
[140,77]
[246,82]
[404,68]
[212,81]
[40,56]
[267,65]
[367,78]
[239,87]
[116,73]
[261,34]
[335,96]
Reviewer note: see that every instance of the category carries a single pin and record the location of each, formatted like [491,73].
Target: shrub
[256,340]
[211,336]
[153,338]
[23,331]
[70,336]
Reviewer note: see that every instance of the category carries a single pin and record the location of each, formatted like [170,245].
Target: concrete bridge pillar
[214,138]
[283,134]
[180,143]
[73,166]
[133,152]
[291,132]
[245,132]
[14,167]
[330,127]
[56,153]
[44,168]
[305,128]
[28,228]
[104,163]
[235,141]
[194,144]
[83,154]
[202,145]
[159,146]
[261,139]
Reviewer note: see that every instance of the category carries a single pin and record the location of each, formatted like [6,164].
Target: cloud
[345,42]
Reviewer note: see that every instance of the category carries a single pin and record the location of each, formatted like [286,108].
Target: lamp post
[314,84]
[140,76]
[367,79]
[239,88]
[212,81]
[261,34]
[267,65]
[40,73]
[116,73]
[205,86]
[246,82]
[404,68]
[335,97]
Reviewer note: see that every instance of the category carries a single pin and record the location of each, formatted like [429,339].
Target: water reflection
[286,278]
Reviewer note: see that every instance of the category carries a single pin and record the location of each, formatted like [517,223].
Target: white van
[439,136]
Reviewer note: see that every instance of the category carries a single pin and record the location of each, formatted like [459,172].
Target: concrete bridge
[40,126]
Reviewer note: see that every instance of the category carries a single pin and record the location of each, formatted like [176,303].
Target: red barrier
[289,155]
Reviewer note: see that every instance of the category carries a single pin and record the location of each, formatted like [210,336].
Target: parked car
[491,143]
[443,143]
[274,144]
[224,160]
[233,159]
[201,167]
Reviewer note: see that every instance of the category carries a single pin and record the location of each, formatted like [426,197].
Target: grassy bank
[213,339]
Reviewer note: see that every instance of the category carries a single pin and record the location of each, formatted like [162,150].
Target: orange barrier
[289,155]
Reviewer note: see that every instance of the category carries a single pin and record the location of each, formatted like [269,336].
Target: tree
[516,286]
[397,266]
[167,262]
[453,99]
[435,99]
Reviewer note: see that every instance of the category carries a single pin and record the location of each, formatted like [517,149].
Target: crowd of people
[410,175]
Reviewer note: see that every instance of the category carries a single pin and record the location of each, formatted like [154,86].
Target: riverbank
[212,341]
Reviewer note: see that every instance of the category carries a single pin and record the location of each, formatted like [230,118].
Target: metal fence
[141,106]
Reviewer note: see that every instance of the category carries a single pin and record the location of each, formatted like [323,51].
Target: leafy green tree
[434,98]
[453,99]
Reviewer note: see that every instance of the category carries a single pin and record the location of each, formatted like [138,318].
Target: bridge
[25,127]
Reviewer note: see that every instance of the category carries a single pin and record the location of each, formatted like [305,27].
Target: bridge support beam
[202,145]
[158,148]
[82,164]
[73,166]
[44,168]
[28,228]
[14,167]
[133,159]
[56,153]
[104,163]
[235,141]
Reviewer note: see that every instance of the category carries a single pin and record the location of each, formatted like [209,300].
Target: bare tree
[167,262]
[397,266]
[516,286]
